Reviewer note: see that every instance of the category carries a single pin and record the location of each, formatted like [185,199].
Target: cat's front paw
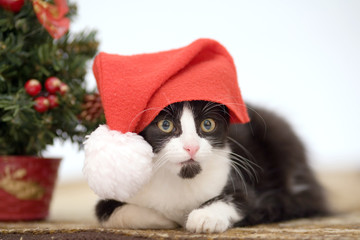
[206,221]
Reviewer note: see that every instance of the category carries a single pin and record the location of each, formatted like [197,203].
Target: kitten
[210,175]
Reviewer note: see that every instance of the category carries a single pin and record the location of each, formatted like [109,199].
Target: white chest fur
[175,197]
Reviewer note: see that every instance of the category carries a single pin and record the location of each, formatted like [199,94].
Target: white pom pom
[117,164]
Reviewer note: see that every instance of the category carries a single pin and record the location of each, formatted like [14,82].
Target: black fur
[190,170]
[268,159]
[104,209]
[279,162]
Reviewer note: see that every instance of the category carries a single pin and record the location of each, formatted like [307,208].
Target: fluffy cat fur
[208,179]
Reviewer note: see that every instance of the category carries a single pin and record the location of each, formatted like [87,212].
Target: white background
[299,58]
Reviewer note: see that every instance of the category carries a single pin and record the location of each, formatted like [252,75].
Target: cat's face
[186,136]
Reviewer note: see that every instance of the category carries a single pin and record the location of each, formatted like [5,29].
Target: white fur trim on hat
[116,164]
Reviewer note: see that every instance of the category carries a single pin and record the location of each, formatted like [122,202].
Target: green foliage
[28,51]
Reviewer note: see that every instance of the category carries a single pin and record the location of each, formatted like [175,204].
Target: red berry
[53,101]
[12,5]
[52,84]
[64,88]
[33,87]
[41,104]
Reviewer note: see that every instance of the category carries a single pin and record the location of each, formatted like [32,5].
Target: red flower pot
[26,187]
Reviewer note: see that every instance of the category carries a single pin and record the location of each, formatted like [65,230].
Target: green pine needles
[27,51]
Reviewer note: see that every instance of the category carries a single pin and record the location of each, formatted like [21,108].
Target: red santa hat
[133,90]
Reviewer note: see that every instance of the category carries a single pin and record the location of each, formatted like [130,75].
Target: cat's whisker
[222,116]
[163,159]
[254,111]
[238,173]
[247,167]
[247,161]
[214,108]
[228,103]
[141,113]
[209,106]
[243,163]
[160,162]
[252,175]
[250,169]
[262,119]
[248,153]
[170,110]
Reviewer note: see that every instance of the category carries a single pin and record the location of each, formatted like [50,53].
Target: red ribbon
[52,17]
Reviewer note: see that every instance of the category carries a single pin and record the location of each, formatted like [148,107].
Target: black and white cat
[210,175]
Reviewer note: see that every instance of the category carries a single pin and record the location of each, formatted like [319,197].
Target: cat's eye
[208,125]
[166,126]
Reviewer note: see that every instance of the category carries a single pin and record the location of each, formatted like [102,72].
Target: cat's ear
[116,164]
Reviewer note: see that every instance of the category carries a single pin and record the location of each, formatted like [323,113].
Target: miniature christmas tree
[42,77]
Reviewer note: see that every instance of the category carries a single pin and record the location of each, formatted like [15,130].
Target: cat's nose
[192,149]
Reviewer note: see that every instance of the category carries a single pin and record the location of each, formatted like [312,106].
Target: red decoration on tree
[33,87]
[12,5]
[52,17]
[41,104]
[53,101]
[52,84]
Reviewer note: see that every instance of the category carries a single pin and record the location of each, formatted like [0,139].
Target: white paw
[206,221]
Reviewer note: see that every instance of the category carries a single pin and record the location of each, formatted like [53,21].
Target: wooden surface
[343,226]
